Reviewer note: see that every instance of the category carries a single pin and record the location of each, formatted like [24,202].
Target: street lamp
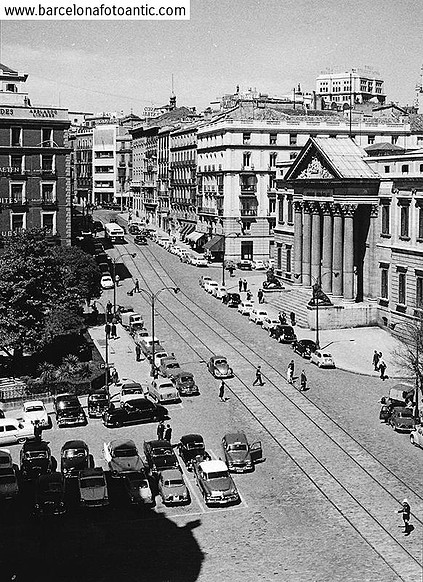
[317,287]
[107,346]
[225,236]
[152,297]
[114,259]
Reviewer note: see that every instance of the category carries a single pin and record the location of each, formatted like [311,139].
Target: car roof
[189,438]
[236,437]
[33,403]
[307,342]
[183,373]
[34,445]
[171,473]
[55,477]
[218,358]
[122,444]
[168,359]
[76,444]
[95,472]
[159,443]
[211,466]
[140,403]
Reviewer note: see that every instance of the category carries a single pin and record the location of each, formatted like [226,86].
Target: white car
[106,282]
[199,262]
[15,431]
[35,410]
[270,322]
[322,359]
[203,280]
[259,266]
[210,286]
[219,292]
[130,390]
[164,390]
[258,315]
[245,307]
[158,357]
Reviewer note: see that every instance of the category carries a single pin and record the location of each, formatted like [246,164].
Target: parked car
[416,436]
[97,403]
[69,411]
[13,431]
[245,264]
[191,448]
[304,347]
[283,333]
[215,483]
[210,286]
[270,322]
[219,368]
[169,366]
[172,488]
[164,390]
[134,228]
[219,292]
[138,488]
[5,459]
[92,486]
[259,265]
[158,357]
[130,390]
[232,299]
[160,455]
[134,412]
[185,384]
[74,457]
[146,345]
[50,495]
[258,315]
[322,359]
[402,419]
[199,262]
[239,455]
[9,486]
[203,280]
[106,282]
[35,459]
[140,240]
[35,410]
[122,457]
[245,307]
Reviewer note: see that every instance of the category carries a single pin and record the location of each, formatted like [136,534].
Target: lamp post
[114,259]
[225,236]
[152,297]
[107,346]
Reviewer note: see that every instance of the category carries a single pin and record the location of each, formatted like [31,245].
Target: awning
[195,236]
[186,229]
[215,244]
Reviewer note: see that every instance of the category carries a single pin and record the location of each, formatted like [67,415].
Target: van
[131,319]
[146,345]
[402,393]
[13,431]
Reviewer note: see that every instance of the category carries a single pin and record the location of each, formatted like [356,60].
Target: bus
[114,232]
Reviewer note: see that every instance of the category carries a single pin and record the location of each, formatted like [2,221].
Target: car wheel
[21,441]
[412,441]
[394,428]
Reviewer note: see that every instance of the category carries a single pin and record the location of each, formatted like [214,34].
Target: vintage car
[283,334]
[402,419]
[416,436]
[35,459]
[245,264]
[215,483]
[146,345]
[232,299]
[219,368]
[172,488]
[35,410]
[50,495]
[245,307]
[185,384]
[304,347]
[169,367]
[122,457]
[258,315]
[191,448]
[130,390]
[210,286]
[199,261]
[160,455]
[203,280]
[5,459]
[164,390]
[138,488]
[269,323]
[69,411]
[133,412]
[140,240]
[9,487]
[322,359]
[74,457]
[92,486]
[134,228]
[14,431]
[97,403]
[239,455]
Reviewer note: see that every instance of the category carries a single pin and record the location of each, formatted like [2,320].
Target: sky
[270,45]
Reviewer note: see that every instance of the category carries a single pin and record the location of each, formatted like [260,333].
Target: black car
[191,448]
[160,455]
[98,402]
[283,333]
[134,412]
[231,299]
[304,347]
[74,456]
[134,228]
[140,240]
[49,495]
[69,411]
[245,264]
[35,459]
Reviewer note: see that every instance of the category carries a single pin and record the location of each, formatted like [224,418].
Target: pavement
[352,348]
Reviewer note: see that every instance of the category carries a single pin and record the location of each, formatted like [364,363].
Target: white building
[343,90]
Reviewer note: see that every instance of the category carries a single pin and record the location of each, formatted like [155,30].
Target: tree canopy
[42,291]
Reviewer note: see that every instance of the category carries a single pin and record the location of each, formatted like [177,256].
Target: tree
[81,274]
[410,353]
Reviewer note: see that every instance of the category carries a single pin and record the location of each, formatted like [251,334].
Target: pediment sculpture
[315,169]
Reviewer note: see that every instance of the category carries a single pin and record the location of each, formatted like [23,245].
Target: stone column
[316,249]
[327,249]
[306,245]
[370,269]
[349,291]
[298,242]
[337,262]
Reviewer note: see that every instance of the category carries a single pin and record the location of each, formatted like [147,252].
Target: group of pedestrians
[379,365]
[164,432]
[242,285]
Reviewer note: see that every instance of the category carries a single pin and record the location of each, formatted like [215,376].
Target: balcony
[207,210]
[248,190]
[248,211]
[150,201]
[17,204]
[247,168]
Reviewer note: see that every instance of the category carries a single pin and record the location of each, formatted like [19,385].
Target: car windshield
[161,452]
[4,460]
[90,482]
[173,366]
[326,356]
[406,413]
[34,409]
[128,452]
[54,487]
[137,390]
[7,479]
[185,379]
[237,447]
[196,446]
[220,363]
[217,475]
[98,397]
[173,482]
[36,454]
[74,453]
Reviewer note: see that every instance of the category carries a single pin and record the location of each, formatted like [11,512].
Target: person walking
[113,329]
[282,317]
[292,318]
[38,430]
[303,381]
[137,352]
[222,391]
[259,377]
[290,371]
[376,358]
[109,307]
[260,296]
[245,285]
[240,284]
[249,296]
[382,370]
[160,430]
[137,286]
[168,433]
[108,329]
[405,510]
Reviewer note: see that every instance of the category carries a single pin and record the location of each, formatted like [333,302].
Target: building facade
[343,90]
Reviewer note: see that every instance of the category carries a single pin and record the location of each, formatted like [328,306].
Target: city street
[321,506]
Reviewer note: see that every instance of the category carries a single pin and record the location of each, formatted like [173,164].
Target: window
[281,209]
[101,155]
[419,292]
[371,139]
[16,136]
[421,168]
[288,259]
[420,140]
[47,163]
[290,211]
[246,138]
[17,222]
[404,169]
[246,159]
[401,288]
[384,283]
[46,137]
[405,214]
[387,169]
[272,159]
[47,192]
[293,139]
[394,139]
[385,219]
[420,223]
[17,162]
[48,222]
[16,192]
[11,87]
[273,138]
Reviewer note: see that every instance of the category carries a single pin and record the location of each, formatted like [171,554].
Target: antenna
[172,84]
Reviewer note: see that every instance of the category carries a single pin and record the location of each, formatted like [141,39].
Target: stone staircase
[291,299]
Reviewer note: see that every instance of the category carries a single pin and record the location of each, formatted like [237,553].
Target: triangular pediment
[315,169]
[310,164]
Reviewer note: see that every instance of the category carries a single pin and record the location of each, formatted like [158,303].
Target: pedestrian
[114,376]
[260,296]
[137,352]
[107,329]
[292,318]
[245,285]
[231,270]
[137,286]
[168,433]
[38,430]
[259,378]
[240,285]
[382,369]
[249,296]
[290,371]
[160,430]
[113,330]
[94,313]
[282,317]
[222,391]
[376,358]
[405,510]
[117,279]
[303,381]
[109,307]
